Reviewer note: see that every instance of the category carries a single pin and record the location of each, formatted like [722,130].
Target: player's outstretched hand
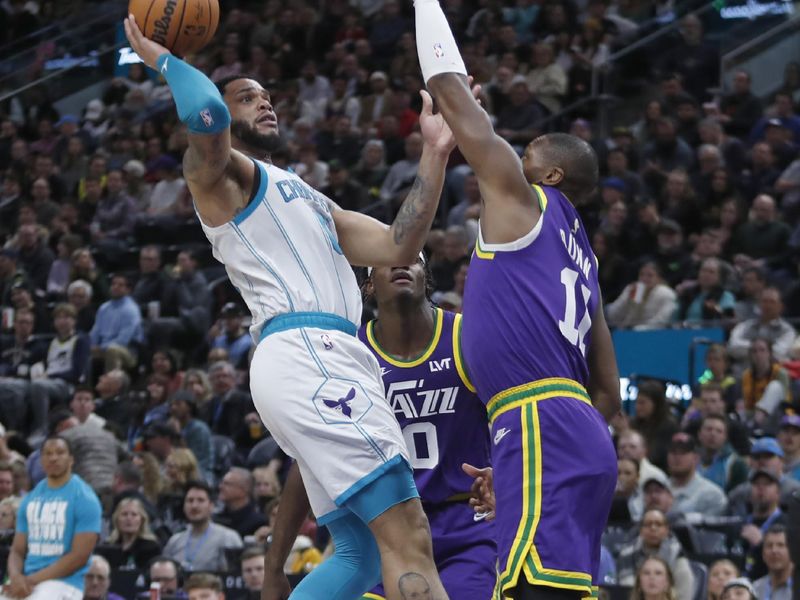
[147,49]
[276,586]
[482,500]
[435,131]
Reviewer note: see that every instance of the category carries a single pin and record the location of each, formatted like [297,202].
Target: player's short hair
[575,157]
[223,83]
[204,581]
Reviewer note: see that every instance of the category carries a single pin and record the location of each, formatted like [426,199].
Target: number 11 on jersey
[575,335]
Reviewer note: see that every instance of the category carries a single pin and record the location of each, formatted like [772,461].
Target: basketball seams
[143,26]
[178,35]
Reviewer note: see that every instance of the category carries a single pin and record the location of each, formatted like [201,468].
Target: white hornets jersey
[282,253]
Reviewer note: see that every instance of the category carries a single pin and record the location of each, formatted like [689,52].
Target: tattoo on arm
[410,213]
[414,585]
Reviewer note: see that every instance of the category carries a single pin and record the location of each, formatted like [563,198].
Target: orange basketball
[182,26]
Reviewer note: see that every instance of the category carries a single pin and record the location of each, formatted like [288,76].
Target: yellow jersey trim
[392,360]
[371,596]
[541,196]
[461,366]
[482,254]
[535,391]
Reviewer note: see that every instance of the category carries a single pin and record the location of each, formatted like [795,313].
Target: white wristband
[436,46]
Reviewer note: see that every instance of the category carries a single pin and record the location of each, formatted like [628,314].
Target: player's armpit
[496,164]
[219,178]
[603,372]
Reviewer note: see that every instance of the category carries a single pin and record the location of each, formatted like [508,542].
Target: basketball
[181,26]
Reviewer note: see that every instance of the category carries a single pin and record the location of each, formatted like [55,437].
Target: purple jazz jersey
[528,310]
[444,425]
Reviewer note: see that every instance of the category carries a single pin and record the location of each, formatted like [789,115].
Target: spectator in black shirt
[342,189]
[131,533]
[236,494]
[740,109]
[34,256]
[226,411]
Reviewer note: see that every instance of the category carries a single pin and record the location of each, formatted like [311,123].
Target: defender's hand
[147,49]
[435,131]
[482,500]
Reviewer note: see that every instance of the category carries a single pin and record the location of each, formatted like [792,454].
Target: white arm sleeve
[436,46]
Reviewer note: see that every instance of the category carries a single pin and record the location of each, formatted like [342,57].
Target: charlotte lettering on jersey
[47,522]
[404,399]
[576,253]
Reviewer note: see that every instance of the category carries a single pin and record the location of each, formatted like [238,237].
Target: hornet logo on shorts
[437,50]
[342,404]
[208,120]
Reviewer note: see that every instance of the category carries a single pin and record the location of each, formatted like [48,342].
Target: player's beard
[250,137]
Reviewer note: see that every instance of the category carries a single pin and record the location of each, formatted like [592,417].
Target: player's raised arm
[497,166]
[368,242]
[200,105]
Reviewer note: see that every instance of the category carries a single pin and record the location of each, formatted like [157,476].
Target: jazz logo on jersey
[326,341]
[342,404]
[406,398]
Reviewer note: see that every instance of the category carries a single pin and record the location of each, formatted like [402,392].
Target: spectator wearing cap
[377,104]
[117,328]
[342,189]
[777,583]
[769,325]
[739,588]
[19,354]
[229,407]
[670,254]
[783,111]
[718,461]
[693,493]
[789,438]
[167,193]
[765,512]
[195,433]
[239,511]
[517,122]
[647,303]
[230,334]
[656,539]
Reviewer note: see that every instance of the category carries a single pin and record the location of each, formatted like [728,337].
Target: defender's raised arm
[514,210]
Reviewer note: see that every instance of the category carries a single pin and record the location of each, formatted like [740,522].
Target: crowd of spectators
[120,332]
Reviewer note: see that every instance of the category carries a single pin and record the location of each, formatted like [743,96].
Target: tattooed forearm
[412,212]
[414,586]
